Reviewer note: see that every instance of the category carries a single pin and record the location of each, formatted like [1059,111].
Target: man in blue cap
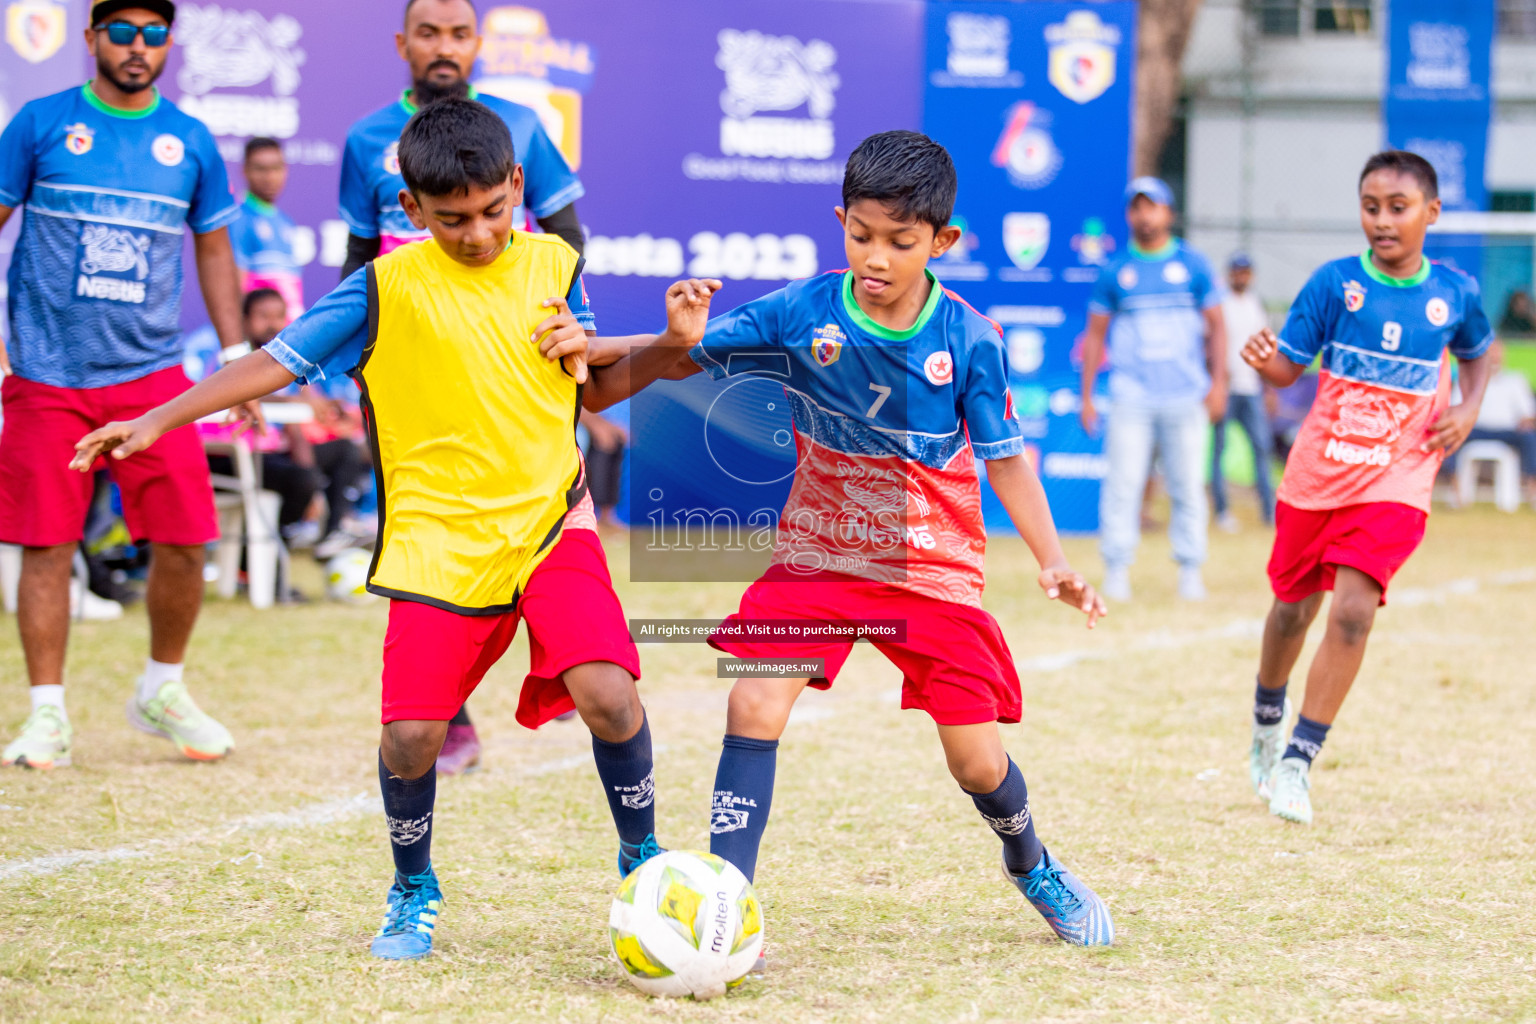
[1160,311]
[1245,316]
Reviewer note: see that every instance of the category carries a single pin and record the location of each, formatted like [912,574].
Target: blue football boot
[632,855]
[1074,911]
[406,933]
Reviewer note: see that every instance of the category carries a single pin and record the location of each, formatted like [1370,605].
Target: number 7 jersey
[888,426]
[1385,379]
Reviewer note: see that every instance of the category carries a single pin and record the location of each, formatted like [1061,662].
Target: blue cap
[1155,189]
[1239,261]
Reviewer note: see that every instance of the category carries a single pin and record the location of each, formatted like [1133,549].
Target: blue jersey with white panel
[888,427]
[1157,302]
[1385,379]
[371,181]
[96,278]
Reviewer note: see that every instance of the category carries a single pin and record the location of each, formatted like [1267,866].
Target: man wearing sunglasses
[112,177]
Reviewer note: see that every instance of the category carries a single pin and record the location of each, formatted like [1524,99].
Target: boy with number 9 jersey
[1356,490]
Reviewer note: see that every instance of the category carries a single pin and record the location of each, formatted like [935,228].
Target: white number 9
[1391,335]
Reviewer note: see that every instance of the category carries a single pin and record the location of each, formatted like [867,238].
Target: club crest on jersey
[168,150]
[79,139]
[939,368]
[1175,272]
[1437,311]
[1354,296]
[827,344]
[392,158]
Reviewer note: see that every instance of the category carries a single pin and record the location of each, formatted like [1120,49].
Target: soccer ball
[686,923]
[346,576]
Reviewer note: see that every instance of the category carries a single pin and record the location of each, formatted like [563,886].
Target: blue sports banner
[1034,102]
[1438,103]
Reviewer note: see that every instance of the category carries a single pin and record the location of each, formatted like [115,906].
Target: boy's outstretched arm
[623,367]
[1019,489]
[1262,352]
[244,380]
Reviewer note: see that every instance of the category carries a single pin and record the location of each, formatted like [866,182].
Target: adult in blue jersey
[1161,311]
[440,42]
[112,177]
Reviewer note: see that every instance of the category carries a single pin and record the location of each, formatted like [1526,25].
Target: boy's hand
[121,439]
[1089,415]
[1260,348]
[1451,429]
[1064,585]
[1216,403]
[688,308]
[563,339]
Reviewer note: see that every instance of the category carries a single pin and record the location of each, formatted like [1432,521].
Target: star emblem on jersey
[939,368]
[827,344]
[1437,311]
[1354,296]
[169,150]
[79,139]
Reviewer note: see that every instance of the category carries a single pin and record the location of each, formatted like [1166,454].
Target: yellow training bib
[473,431]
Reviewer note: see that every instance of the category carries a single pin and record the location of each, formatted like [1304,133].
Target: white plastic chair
[10,575]
[1506,473]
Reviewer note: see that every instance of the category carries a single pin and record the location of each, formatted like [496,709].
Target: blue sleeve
[549,184]
[581,305]
[18,158]
[357,206]
[987,403]
[1103,298]
[747,340]
[1310,321]
[1201,283]
[328,340]
[213,205]
[1475,333]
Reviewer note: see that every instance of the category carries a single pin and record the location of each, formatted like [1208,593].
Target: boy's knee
[758,708]
[410,748]
[605,695]
[1352,617]
[1294,617]
[978,773]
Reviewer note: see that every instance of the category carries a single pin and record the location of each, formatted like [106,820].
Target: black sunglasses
[123,33]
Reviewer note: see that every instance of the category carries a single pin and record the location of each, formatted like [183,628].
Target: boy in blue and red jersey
[896,387]
[1356,490]
[263,237]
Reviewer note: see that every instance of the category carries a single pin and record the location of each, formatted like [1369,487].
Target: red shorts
[1375,538]
[954,661]
[167,498]
[434,659]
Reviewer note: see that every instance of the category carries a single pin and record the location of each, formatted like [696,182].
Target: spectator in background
[606,441]
[263,236]
[1244,316]
[1161,312]
[1508,414]
[1519,315]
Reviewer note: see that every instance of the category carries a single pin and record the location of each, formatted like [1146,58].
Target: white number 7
[884,391]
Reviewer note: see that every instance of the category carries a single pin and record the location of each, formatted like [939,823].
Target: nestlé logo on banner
[36,29]
[1082,48]
[230,49]
[978,53]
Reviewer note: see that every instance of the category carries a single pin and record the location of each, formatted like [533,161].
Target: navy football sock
[1006,809]
[628,774]
[462,717]
[743,794]
[408,812]
[1307,739]
[1268,705]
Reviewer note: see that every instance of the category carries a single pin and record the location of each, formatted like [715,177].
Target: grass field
[137,886]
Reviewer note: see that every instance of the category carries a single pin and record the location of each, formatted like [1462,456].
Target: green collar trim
[862,319]
[411,108]
[1166,252]
[111,111]
[1375,274]
[259,205]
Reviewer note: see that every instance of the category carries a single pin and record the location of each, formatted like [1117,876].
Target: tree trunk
[1162,35]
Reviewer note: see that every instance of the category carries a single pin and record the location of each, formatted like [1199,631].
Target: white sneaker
[1117,584]
[1268,747]
[44,741]
[175,715]
[1292,797]
[85,606]
[1191,583]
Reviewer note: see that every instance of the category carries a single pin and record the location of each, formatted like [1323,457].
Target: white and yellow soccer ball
[686,923]
[346,576]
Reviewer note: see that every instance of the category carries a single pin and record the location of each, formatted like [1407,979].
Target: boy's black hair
[1404,162]
[260,295]
[453,144]
[907,173]
[260,143]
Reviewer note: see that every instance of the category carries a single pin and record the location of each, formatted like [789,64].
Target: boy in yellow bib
[471,390]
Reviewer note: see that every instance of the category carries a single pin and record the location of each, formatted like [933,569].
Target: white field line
[328,811]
